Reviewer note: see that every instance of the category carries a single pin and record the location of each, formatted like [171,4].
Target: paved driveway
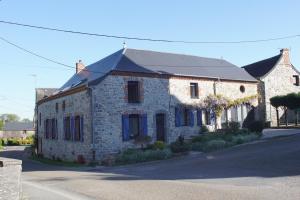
[264,170]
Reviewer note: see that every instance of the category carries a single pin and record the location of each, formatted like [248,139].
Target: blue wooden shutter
[199,117]
[191,116]
[125,127]
[45,128]
[177,117]
[56,130]
[144,124]
[81,128]
[72,127]
[64,128]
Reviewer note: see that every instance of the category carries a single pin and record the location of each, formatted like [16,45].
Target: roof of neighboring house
[18,126]
[44,92]
[144,61]
[261,68]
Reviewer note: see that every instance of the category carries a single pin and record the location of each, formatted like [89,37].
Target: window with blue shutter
[144,124]
[81,129]
[199,117]
[177,117]
[125,127]
[72,131]
[191,118]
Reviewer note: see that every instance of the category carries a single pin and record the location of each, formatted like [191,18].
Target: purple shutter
[81,128]
[191,116]
[65,129]
[56,129]
[199,117]
[143,122]
[72,131]
[177,117]
[45,128]
[125,127]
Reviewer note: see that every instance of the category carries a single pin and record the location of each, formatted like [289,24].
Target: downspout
[92,122]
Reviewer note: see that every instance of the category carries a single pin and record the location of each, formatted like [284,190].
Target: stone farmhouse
[276,76]
[106,105]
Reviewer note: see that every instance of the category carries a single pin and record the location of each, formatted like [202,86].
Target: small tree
[276,102]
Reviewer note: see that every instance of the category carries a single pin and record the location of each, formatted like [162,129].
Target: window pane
[134,128]
[133,92]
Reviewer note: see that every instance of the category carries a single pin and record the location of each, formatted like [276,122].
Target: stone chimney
[79,66]
[285,52]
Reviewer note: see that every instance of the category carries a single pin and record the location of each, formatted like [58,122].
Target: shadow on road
[278,157]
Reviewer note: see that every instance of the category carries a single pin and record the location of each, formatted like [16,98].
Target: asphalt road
[265,170]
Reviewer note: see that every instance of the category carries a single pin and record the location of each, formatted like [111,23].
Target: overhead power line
[149,39]
[43,57]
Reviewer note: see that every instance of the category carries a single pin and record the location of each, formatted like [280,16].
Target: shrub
[256,126]
[204,129]
[179,146]
[142,156]
[159,145]
[240,139]
[197,146]
[214,145]
[231,127]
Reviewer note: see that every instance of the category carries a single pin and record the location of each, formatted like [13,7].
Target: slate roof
[261,68]
[18,126]
[133,60]
[44,92]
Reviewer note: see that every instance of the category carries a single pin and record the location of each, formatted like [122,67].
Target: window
[242,89]
[53,128]
[63,105]
[194,90]
[234,114]
[296,80]
[133,92]
[56,107]
[207,117]
[40,119]
[184,117]
[47,128]
[134,125]
[78,128]
[67,128]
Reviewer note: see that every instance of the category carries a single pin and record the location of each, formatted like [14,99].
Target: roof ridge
[182,54]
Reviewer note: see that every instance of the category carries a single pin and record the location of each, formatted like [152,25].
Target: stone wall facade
[103,105]
[10,179]
[279,81]
[159,95]
[75,104]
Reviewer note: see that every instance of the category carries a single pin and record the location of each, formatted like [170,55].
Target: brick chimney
[285,52]
[79,66]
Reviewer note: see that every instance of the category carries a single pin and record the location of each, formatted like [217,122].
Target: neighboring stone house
[277,76]
[106,105]
[17,130]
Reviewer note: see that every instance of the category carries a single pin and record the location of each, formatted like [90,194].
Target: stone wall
[160,95]
[75,104]
[10,179]
[278,82]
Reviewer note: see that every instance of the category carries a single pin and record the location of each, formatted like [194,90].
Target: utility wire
[43,57]
[149,39]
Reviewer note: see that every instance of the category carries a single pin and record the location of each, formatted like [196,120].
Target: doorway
[160,127]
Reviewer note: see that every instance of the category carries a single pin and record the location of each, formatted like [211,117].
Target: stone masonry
[75,104]
[279,81]
[10,179]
